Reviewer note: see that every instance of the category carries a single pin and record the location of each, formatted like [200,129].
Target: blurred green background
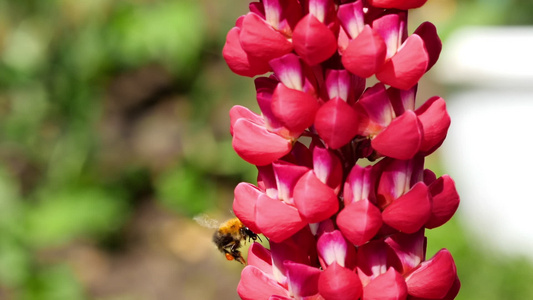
[114,132]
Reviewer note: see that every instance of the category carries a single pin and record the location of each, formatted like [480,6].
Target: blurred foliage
[108,104]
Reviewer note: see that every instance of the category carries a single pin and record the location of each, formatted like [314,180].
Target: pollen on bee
[229,256]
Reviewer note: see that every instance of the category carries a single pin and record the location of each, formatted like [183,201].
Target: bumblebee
[228,236]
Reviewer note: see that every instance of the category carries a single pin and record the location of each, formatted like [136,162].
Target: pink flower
[338,228]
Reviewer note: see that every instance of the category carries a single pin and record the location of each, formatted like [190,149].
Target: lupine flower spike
[337,228]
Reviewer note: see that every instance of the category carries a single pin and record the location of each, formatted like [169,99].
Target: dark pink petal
[266,181]
[276,297]
[390,27]
[299,248]
[357,185]
[395,180]
[260,39]
[401,139]
[264,87]
[359,221]
[373,259]
[327,167]
[452,293]
[342,84]
[300,155]
[387,286]
[336,122]
[287,176]
[409,248]
[400,4]
[445,201]
[277,220]
[429,177]
[322,9]
[240,112]
[313,40]
[338,283]
[402,100]
[315,200]
[294,109]
[256,285]
[434,278]
[238,60]
[411,211]
[428,33]
[435,122]
[282,15]
[405,68]
[365,54]
[377,107]
[260,257]
[333,247]
[244,203]
[288,70]
[257,145]
[302,279]
[352,18]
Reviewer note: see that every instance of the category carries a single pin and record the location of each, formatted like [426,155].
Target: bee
[228,236]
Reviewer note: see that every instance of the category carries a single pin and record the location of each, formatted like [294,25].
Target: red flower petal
[434,278]
[327,167]
[260,39]
[260,257]
[256,285]
[257,145]
[336,122]
[339,283]
[359,221]
[365,54]
[237,112]
[387,286]
[445,201]
[302,279]
[238,60]
[294,109]
[400,4]
[405,68]
[435,122]
[401,139]
[246,196]
[277,220]
[313,40]
[428,33]
[315,200]
[411,211]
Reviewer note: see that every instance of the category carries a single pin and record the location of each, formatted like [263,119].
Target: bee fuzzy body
[229,236]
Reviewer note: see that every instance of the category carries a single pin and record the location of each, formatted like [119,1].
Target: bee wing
[206,221]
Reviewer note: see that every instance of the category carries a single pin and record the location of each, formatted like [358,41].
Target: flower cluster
[337,229]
